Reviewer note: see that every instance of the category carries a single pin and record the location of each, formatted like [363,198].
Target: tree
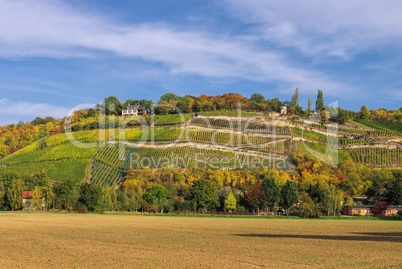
[289,196]
[319,103]
[256,197]
[308,208]
[91,197]
[343,116]
[309,105]
[331,200]
[272,191]
[324,116]
[2,193]
[364,113]
[67,194]
[15,194]
[295,102]
[112,106]
[37,198]
[48,195]
[230,202]
[156,194]
[170,97]
[203,195]
[394,192]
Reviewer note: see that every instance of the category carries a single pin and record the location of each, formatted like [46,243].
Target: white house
[133,110]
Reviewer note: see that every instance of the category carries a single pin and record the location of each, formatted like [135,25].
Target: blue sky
[57,54]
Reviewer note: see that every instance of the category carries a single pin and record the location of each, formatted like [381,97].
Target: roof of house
[28,194]
[361,206]
[134,107]
[395,206]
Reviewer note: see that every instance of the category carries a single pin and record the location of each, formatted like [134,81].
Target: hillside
[207,141]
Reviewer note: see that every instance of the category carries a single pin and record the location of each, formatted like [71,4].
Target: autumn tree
[230,202]
[324,117]
[364,113]
[256,197]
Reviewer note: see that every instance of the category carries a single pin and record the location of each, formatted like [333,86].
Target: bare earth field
[40,240]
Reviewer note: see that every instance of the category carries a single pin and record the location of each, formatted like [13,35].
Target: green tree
[67,194]
[295,102]
[15,194]
[394,192]
[308,208]
[319,103]
[170,97]
[230,202]
[203,195]
[91,197]
[343,116]
[37,198]
[289,196]
[112,106]
[48,194]
[109,198]
[331,200]
[2,193]
[309,106]
[272,191]
[156,194]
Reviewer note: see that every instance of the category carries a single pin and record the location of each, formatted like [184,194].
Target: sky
[57,55]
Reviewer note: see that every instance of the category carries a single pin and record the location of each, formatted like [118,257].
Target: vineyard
[376,156]
[392,127]
[256,124]
[102,156]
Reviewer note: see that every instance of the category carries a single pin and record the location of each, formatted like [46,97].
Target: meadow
[51,240]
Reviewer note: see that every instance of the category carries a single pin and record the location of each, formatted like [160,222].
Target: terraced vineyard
[376,156]
[253,125]
[102,156]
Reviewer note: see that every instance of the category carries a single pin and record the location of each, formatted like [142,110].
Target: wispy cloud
[56,29]
[330,28]
[11,112]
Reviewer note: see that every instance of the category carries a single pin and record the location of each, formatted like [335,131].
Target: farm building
[28,200]
[370,210]
[358,210]
[133,110]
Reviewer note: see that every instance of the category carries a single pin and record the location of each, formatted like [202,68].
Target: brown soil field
[50,240]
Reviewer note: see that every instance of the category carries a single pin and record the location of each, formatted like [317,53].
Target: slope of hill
[207,141]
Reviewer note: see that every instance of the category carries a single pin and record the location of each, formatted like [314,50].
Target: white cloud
[332,28]
[12,112]
[55,29]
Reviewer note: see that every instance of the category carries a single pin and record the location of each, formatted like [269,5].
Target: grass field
[40,240]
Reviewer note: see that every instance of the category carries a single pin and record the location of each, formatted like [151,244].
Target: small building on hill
[133,110]
[284,110]
[28,201]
